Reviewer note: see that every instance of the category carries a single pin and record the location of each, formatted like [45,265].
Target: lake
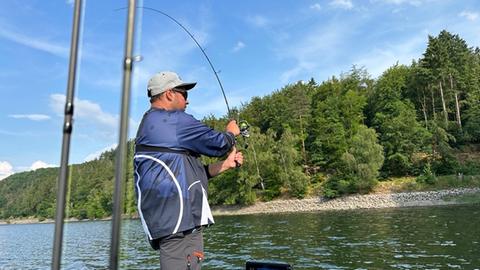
[446,237]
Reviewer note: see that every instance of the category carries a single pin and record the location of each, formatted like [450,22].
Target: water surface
[446,237]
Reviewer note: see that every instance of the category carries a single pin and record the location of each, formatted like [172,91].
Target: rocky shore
[387,200]
[378,200]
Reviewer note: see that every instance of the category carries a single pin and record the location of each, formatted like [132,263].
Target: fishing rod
[67,133]
[243,124]
[201,49]
[122,149]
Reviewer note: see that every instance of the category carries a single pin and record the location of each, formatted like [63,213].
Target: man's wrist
[231,138]
[207,171]
[226,165]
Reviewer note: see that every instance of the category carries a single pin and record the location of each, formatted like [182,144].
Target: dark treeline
[338,137]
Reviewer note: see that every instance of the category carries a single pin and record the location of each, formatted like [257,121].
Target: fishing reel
[244,129]
[244,126]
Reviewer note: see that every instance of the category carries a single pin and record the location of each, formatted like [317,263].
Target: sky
[256,46]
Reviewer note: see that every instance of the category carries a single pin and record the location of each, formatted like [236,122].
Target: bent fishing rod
[243,125]
[201,49]
[198,45]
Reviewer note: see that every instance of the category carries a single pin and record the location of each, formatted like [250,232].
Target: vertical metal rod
[122,142]
[67,131]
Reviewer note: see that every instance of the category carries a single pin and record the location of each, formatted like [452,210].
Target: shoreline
[367,201]
[315,204]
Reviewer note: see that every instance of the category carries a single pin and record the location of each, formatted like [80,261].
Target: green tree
[443,160]
[360,165]
[453,75]
[337,111]
[395,119]
[472,99]
[402,136]
[289,159]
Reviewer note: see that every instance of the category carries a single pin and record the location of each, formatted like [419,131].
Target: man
[170,181]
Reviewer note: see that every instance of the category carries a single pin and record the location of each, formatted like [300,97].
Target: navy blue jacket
[171,186]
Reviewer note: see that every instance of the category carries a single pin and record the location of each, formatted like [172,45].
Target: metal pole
[67,131]
[122,142]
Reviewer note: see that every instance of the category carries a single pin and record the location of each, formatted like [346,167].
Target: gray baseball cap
[165,80]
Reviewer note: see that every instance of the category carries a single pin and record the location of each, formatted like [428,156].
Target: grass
[453,181]
[398,184]
[404,184]
[465,198]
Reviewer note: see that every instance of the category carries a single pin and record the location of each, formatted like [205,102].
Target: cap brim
[186,86]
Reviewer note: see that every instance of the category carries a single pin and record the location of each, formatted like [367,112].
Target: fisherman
[170,181]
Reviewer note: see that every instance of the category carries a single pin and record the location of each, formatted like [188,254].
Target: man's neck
[161,105]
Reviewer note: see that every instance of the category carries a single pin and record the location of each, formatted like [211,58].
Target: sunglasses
[182,92]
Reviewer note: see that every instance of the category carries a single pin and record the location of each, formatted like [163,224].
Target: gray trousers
[182,251]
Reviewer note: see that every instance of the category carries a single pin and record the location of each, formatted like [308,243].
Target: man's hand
[230,162]
[234,159]
[233,128]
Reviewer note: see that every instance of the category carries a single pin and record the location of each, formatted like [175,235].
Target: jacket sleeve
[194,135]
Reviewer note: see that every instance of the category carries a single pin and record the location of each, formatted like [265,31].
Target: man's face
[181,99]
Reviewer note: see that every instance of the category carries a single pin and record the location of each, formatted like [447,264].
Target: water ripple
[413,238]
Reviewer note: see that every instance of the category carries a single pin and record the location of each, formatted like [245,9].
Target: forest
[341,136]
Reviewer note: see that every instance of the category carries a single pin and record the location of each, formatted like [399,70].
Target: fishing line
[201,49]
[243,125]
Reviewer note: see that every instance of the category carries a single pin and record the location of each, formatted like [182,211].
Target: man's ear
[169,95]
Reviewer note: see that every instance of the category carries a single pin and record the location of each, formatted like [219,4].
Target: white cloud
[34,43]
[380,59]
[174,47]
[471,16]
[141,75]
[240,45]
[401,2]
[13,133]
[344,4]
[97,154]
[302,66]
[40,164]
[316,6]
[33,117]
[6,169]
[101,125]
[215,105]
[85,110]
[320,47]
[257,21]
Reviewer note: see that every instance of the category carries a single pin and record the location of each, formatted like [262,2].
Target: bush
[337,185]
[427,177]
[297,184]
[470,168]
[330,193]
[397,165]
[81,214]
[359,167]
[447,165]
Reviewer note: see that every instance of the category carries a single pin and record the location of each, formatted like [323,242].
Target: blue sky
[257,46]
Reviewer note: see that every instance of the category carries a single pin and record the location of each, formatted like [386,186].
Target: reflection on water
[409,238]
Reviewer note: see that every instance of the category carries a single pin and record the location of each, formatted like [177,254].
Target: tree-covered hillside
[336,137]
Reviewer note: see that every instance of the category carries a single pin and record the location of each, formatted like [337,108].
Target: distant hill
[337,137]
[33,193]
